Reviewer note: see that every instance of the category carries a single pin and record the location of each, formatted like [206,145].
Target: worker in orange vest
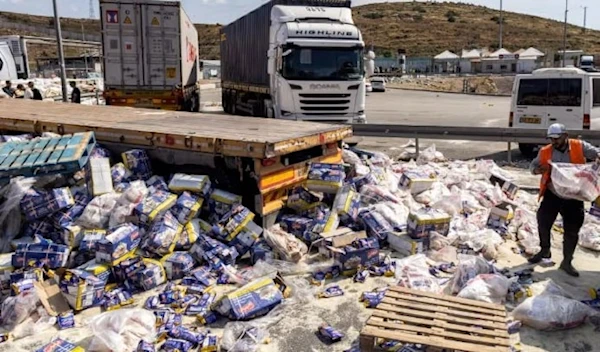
[561,150]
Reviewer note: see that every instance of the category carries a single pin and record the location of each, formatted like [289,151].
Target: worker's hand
[542,169]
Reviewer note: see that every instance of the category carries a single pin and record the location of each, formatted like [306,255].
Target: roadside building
[446,62]
[210,69]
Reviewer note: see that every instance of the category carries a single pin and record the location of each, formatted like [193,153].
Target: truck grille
[331,104]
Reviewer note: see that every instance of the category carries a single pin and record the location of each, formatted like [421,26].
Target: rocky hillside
[422,29]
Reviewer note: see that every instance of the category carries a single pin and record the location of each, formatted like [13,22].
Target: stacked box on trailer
[150,55]
[250,57]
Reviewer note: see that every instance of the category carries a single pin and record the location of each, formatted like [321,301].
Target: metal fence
[49,31]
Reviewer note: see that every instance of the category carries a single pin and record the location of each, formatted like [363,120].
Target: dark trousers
[573,215]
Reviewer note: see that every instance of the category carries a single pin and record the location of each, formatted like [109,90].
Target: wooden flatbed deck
[204,132]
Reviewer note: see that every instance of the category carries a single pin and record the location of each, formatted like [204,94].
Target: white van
[8,69]
[555,95]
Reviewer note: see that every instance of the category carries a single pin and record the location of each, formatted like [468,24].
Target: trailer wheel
[225,101]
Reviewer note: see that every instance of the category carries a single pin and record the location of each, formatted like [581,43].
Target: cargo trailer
[150,55]
[297,60]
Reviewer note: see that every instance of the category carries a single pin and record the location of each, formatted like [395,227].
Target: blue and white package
[422,222]
[188,236]
[60,345]
[157,183]
[119,173]
[325,178]
[67,217]
[176,345]
[232,223]
[66,320]
[221,202]
[261,250]
[213,252]
[178,264]
[118,243]
[187,207]
[138,162]
[39,228]
[153,206]
[145,347]
[255,299]
[246,238]
[51,255]
[37,204]
[82,289]
[299,226]
[347,204]
[163,234]
[89,240]
[377,226]
[151,275]
[300,199]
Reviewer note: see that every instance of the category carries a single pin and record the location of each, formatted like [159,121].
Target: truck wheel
[225,101]
[527,150]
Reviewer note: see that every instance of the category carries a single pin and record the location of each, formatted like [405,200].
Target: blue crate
[46,156]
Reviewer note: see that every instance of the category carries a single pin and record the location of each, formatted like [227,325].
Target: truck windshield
[322,64]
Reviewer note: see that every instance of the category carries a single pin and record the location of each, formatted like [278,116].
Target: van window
[550,92]
[596,91]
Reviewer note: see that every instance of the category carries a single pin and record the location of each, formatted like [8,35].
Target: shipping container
[245,43]
[151,45]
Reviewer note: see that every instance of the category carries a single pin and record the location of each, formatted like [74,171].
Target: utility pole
[564,56]
[584,17]
[501,25]
[61,55]
[85,54]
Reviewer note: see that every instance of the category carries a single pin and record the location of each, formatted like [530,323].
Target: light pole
[584,17]
[501,24]
[61,56]
[564,56]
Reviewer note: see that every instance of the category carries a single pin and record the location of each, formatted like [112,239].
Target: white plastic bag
[436,193]
[395,214]
[491,288]
[589,237]
[451,204]
[38,322]
[10,211]
[430,155]
[122,330]
[484,241]
[468,268]
[16,309]
[551,312]
[572,181]
[133,195]
[413,272]
[288,246]
[97,213]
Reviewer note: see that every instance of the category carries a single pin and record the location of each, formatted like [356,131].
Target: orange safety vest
[575,153]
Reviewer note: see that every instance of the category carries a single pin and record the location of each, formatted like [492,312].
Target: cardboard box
[153,206]
[82,289]
[325,178]
[163,235]
[299,226]
[250,301]
[52,255]
[508,186]
[501,216]
[427,220]
[350,249]
[346,204]
[246,238]
[300,199]
[60,345]
[232,223]
[198,184]
[187,207]
[377,226]
[138,162]
[402,243]
[118,243]
[38,204]
[416,181]
[51,297]
[99,176]
[221,202]
[178,264]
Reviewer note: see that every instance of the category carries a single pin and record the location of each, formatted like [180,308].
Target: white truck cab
[316,64]
[555,95]
[8,68]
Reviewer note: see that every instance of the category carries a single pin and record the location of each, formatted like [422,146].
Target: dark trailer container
[245,43]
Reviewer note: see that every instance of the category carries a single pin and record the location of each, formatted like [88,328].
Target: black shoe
[569,269]
[538,258]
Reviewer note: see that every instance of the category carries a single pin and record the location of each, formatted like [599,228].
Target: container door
[122,45]
[162,45]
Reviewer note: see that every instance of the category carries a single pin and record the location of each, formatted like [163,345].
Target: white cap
[556,130]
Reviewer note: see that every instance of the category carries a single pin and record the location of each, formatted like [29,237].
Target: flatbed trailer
[259,159]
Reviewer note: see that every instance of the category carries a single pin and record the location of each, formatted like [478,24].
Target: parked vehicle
[150,55]
[569,96]
[17,46]
[297,60]
[8,68]
[378,84]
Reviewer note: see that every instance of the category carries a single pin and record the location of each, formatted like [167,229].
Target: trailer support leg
[509,152]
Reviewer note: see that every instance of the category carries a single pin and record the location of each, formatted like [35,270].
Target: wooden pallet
[45,156]
[439,321]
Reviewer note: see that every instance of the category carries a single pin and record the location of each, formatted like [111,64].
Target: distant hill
[422,29]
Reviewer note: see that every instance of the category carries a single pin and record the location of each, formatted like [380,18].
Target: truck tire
[527,150]
[225,101]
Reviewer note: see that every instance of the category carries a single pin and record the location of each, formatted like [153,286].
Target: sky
[225,11]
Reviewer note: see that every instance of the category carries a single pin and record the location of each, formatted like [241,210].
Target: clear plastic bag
[468,268]
[10,210]
[395,214]
[491,288]
[243,337]
[16,309]
[122,330]
[288,246]
[436,193]
[413,272]
[551,312]
[38,322]
[483,241]
[430,155]
[451,204]
[572,181]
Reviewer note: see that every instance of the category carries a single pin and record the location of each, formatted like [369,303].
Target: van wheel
[527,150]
